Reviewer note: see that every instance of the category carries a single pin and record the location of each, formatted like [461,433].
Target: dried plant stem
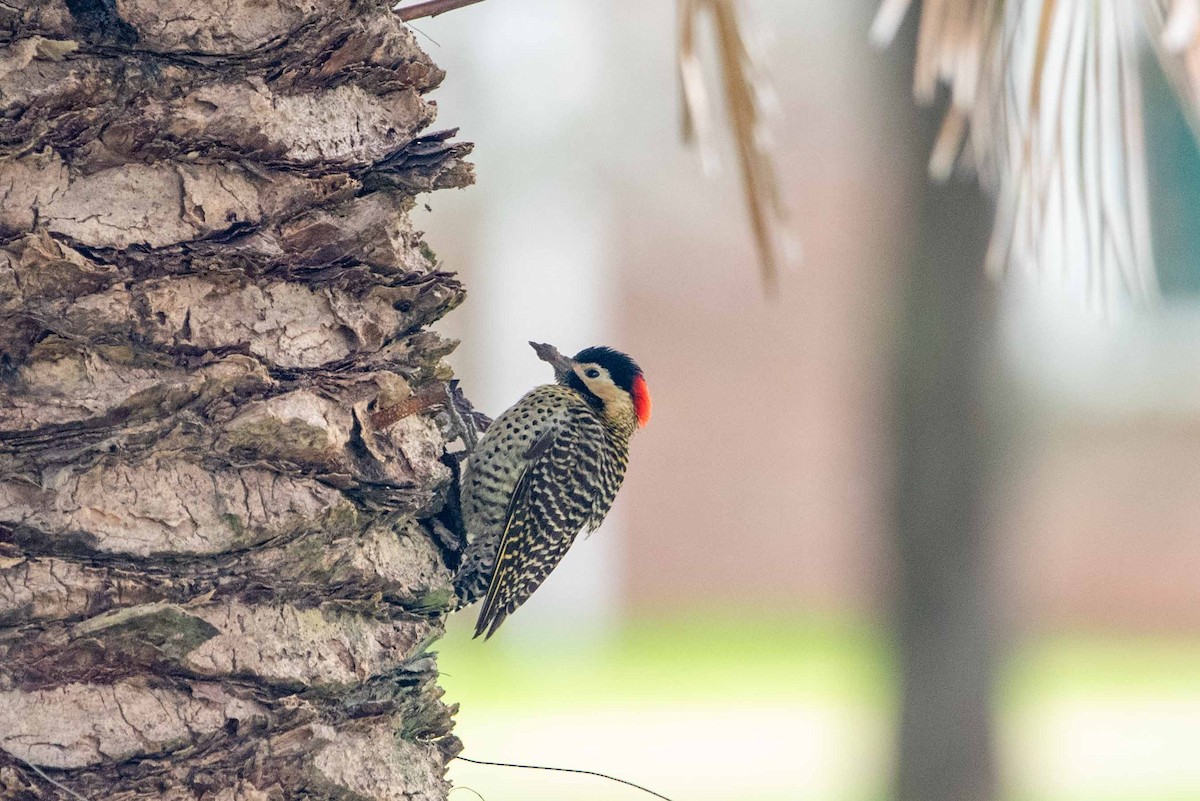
[431,8]
[744,89]
[758,179]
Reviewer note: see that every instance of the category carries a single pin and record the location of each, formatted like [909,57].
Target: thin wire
[565,770]
[427,36]
[41,773]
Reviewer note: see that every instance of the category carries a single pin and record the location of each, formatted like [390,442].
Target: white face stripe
[583,369]
[617,402]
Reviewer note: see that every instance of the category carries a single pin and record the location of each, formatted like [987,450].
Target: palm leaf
[745,90]
[1045,104]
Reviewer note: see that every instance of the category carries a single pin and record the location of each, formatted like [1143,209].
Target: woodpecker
[545,470]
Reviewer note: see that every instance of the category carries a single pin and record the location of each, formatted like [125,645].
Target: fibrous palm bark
[221,419]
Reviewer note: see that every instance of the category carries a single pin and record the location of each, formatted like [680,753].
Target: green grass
[678,660]
[1102,664]
[1081,717]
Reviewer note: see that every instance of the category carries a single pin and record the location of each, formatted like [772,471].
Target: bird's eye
[593,373]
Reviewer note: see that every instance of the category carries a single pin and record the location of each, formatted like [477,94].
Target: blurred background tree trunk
[221,418]
[943,603]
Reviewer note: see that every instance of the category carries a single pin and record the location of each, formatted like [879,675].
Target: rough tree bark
[221,418]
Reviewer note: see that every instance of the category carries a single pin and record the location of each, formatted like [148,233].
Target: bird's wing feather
[555,497]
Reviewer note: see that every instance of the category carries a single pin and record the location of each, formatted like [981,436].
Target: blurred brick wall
[1100,526]
[759,479]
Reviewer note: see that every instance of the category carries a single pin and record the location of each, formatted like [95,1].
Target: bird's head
[608,378]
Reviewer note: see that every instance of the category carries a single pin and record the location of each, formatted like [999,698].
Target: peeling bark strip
[222,425]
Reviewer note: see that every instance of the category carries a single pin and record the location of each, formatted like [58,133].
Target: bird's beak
[561,364]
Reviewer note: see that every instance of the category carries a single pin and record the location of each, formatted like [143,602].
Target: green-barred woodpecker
[545,470]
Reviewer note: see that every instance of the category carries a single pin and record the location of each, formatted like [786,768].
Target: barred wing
[559,492]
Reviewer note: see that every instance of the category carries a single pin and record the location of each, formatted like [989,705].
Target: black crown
[622,368]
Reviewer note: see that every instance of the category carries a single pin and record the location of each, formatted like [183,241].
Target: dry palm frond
[1046,104]
[745,90]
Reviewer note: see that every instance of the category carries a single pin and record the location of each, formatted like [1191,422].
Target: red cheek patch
[641,400]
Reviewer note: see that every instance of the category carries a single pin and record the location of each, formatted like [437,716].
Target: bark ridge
[223,420]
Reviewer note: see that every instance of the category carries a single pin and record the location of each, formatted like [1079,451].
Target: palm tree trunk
[221,419]
[944,607]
